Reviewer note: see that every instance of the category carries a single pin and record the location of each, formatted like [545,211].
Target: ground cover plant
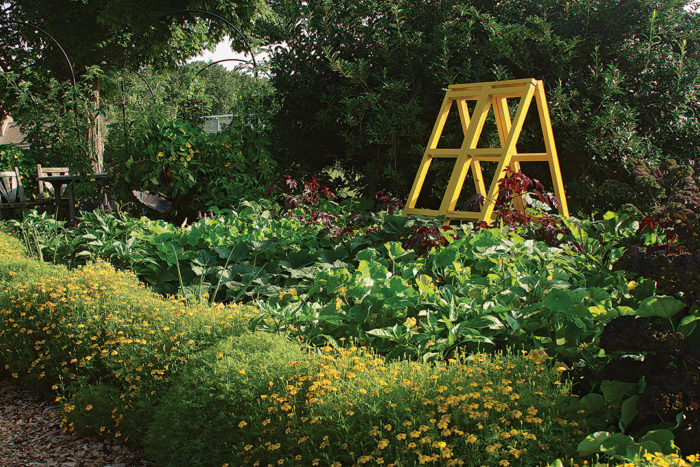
[120,359]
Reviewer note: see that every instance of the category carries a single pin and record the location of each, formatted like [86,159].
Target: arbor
[99,32]
[361,81]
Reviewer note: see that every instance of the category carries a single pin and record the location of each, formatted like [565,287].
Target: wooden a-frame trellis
[487,95]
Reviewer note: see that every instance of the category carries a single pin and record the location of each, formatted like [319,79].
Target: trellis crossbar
[469,156]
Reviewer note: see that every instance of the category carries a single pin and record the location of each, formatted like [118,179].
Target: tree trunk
[95,139]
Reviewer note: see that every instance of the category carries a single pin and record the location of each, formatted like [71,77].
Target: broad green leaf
[617,444]
[660,306]
[615,391]
[628,411]
[592,443]
[592,403]
[689,324]
[663,438]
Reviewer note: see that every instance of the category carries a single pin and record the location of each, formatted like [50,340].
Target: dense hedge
[361,83]
[192,386]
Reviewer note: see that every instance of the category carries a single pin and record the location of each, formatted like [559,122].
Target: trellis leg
[503,123]
[461,168]
[551,149]
[479,185]
[432,144]
[507,153]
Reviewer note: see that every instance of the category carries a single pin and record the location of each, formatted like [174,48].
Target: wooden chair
[12,192]
[48,172]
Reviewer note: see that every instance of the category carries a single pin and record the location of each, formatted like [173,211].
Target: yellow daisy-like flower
[242,424]
[383,443]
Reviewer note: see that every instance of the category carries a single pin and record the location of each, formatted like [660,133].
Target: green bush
[361,82]
[265,402]
[94,330]
[12,156]
[199,170]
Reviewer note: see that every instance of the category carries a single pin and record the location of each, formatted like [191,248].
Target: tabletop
[68,178]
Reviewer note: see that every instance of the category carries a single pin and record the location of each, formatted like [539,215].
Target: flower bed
[191,385]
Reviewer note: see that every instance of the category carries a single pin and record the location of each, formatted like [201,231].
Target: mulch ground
[30,435]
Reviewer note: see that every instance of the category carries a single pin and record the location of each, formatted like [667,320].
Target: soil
[30,435]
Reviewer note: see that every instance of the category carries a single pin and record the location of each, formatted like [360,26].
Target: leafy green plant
[364,93]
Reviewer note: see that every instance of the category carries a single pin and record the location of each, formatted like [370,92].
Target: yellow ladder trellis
[487,95]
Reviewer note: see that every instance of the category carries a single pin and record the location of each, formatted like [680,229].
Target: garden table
[59,181]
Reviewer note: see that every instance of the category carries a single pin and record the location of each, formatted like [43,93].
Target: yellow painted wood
[526,157]
[443,152]
[425,212]
[489,95]
[454,187]
[554,170]
[508,150]
[503,124]
[463,115]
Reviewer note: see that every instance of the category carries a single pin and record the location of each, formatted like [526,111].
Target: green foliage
[209,169]
[12,156]
[51,114]
[263,400]
[361,83]
[111,350]
[486,289]
[106,28]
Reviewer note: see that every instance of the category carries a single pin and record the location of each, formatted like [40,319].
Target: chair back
[48,172]
[11,190]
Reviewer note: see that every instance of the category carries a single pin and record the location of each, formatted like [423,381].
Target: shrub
[197,170]
[12,156]
[265,402]
[96,331]
[361,82]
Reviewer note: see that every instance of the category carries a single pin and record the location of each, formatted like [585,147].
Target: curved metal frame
[145,81]
[223,60]
[37,28]
[65,55]
[165,15]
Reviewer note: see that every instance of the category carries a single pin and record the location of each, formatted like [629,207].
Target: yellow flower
[88,407]
[242,424]
[401,436]
[383,443]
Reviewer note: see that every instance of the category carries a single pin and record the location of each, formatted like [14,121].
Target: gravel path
[30,435]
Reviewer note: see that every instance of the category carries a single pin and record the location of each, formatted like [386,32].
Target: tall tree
[99,32]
